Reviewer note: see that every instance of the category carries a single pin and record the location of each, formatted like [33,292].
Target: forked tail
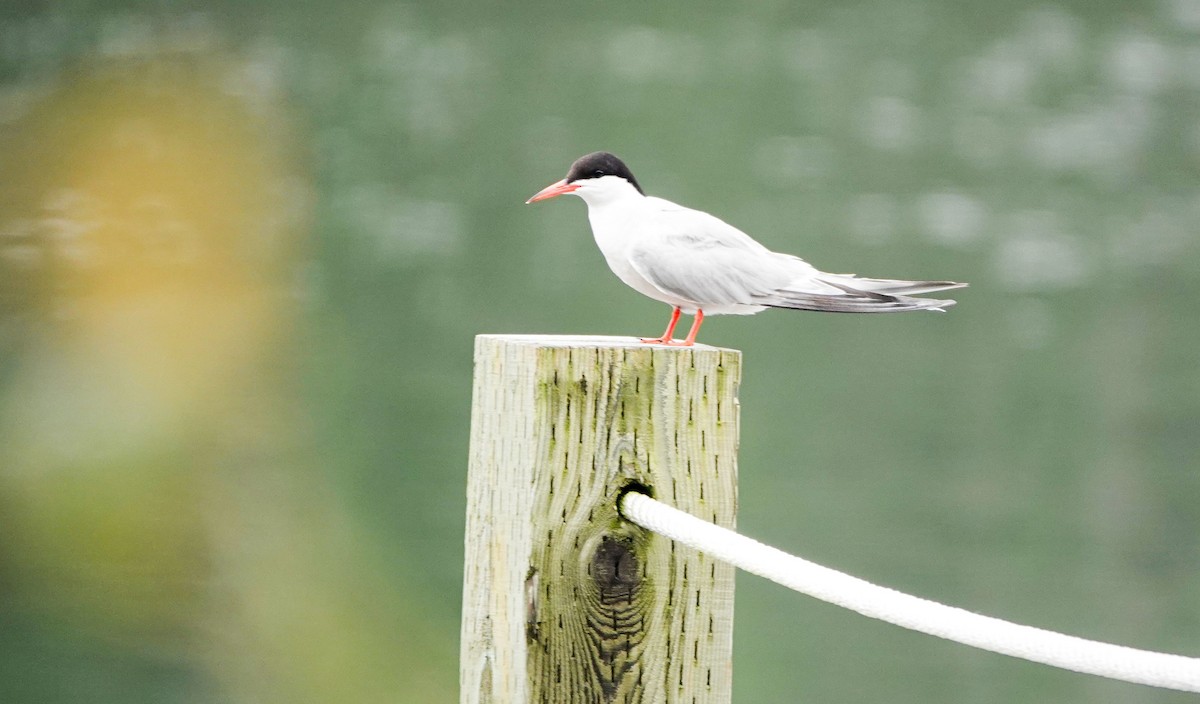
[864,296]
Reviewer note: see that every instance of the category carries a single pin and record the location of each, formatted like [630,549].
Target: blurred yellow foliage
[157,482]
[149,202]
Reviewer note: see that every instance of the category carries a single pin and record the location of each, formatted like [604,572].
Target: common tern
[700,265]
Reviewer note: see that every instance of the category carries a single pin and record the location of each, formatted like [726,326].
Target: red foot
[666,336]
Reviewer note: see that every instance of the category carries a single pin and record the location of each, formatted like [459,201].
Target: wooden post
[563,600]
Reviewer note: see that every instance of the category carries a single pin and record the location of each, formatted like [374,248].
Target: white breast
[615,228]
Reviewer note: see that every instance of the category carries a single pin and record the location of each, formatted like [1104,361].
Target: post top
[592,342]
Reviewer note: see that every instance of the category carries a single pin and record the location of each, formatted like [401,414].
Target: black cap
[599,164]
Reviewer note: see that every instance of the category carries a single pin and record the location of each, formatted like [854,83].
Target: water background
[244,249]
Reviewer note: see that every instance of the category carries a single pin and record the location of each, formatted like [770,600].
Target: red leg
[666,336]
[691,336]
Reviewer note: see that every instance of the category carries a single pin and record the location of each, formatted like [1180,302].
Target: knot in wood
[616,569]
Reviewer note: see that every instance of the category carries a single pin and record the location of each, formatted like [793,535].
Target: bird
[701,265]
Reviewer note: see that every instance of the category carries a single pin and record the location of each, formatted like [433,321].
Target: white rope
[1048,647]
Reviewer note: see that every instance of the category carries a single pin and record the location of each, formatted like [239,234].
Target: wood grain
[564,601]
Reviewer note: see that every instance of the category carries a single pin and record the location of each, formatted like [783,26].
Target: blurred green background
[244,248]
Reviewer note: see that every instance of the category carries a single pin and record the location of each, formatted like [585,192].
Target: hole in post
[633,486]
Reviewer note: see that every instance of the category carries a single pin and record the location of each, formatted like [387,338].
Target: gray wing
[707,261]
[703,259]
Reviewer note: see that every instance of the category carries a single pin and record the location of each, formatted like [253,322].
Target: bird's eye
[598,173]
